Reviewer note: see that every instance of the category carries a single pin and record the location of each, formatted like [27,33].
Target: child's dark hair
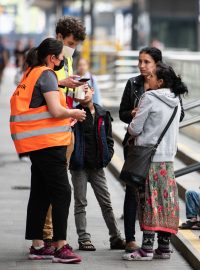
[37,56]
[154,52]
[68,25]
[170,79]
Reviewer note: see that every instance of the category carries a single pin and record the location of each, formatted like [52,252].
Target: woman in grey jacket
[158,203]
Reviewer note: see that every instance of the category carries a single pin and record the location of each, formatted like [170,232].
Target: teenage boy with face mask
[71,32]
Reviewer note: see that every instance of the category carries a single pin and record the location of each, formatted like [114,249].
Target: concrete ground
[14,193]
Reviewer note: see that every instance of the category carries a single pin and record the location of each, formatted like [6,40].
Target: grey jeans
[97,179]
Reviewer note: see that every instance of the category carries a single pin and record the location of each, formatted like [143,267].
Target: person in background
[19,60]
[71,32]
[192,202]
[135,88]
[83,71]
[93,151]
[3,59]
[20,53]
[30,44]
[158,199]
[40,125]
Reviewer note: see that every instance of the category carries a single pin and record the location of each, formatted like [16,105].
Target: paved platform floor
[13,203]
[14,249]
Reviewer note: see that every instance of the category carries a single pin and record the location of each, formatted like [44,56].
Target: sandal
[190,225]
[196,226]
[117,243]
[86,246]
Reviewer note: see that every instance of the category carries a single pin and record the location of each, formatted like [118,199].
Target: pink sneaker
[43,253]
[65,255]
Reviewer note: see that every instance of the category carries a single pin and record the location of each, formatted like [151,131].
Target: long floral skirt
[158,203]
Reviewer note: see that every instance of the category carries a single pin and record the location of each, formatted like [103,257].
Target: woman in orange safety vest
[40,126]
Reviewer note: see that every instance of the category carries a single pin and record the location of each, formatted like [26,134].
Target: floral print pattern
[158,204]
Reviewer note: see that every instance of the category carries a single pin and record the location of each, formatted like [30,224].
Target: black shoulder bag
[139,158]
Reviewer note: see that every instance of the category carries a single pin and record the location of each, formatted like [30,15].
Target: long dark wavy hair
[170,79]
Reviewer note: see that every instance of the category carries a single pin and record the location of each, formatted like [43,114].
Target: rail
[188,169]
[191,105]
[190,121]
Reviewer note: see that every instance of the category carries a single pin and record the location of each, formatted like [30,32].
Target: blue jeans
[192,200]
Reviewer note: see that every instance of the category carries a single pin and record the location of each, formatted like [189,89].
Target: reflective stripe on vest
[42,131]
[30,117]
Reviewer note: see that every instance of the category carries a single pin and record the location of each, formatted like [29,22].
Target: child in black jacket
[93,151]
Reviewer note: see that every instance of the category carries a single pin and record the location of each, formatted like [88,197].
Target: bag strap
[166,128]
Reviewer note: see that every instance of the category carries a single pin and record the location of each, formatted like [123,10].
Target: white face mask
[68,52]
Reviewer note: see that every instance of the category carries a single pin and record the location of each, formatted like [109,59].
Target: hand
[79,115]
[133,113]
[71,82]
[73,122]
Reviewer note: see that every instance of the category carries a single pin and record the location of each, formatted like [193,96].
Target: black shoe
[117,243]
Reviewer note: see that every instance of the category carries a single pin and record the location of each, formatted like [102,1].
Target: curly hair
[68,25]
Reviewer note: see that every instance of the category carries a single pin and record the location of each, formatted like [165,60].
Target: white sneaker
[138,255]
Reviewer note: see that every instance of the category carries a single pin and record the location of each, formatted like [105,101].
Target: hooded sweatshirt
[154,111]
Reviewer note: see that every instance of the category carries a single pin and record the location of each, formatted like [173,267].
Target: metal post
[82,10]
[91,12]
[134,38]
[59,8]
[198,27]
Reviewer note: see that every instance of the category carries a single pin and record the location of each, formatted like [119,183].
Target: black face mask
[56,68]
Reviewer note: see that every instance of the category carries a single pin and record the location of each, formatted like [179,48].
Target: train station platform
[14,193]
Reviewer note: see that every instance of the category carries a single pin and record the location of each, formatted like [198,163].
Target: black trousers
[130,210]
[49,185]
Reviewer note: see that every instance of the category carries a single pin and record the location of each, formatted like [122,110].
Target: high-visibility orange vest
[35,128]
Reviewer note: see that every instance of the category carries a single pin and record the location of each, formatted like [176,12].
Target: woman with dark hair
[40,126]
[158,200]
[135,88]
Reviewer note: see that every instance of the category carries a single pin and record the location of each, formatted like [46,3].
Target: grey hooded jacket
[155,110]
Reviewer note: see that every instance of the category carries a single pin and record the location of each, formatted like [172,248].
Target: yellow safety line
[117,160]
[192,238]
